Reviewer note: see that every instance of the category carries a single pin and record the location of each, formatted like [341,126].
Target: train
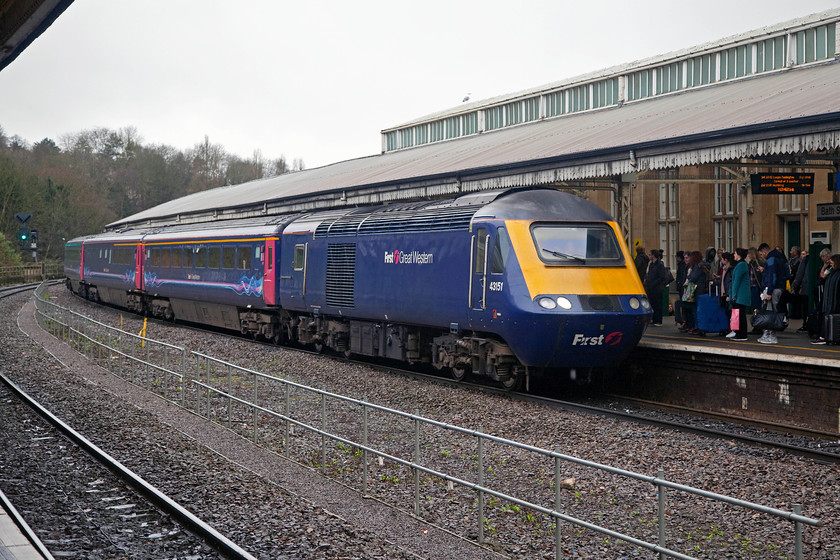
[503,284]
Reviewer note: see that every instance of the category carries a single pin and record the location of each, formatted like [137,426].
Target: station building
[668,145]
[699,194]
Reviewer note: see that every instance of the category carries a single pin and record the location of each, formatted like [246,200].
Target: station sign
[830,211]
[782,183]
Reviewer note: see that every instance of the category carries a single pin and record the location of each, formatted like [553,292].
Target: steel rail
[813,454]
[213,538]
[24,528]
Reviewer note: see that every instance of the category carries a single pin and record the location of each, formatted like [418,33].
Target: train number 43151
[496,286]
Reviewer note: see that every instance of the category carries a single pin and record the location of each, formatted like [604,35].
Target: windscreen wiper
[565,256]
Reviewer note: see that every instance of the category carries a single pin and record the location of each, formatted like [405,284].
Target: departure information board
[782,183]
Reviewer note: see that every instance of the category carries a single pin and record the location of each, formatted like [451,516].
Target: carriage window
[177,258]
[299,254]
[214,257]
[201,257]
[501,248]
[578,245]
[155,257]
[480,250]
[270,258]
[164,254]
[244,261]
[228,257]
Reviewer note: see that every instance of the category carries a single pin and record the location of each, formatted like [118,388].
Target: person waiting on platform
[774,276]
[641,262]
[831,297]
[656,279]
[740,295]
[722,281]
[800,288]
[682,268]
[696,284]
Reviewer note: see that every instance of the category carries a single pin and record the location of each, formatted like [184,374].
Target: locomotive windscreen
[590,245]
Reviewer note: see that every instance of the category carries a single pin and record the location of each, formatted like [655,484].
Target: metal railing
[339,436]
[148,363]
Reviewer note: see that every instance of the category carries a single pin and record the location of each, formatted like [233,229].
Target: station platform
[793,347]
[16,543]
[792,383]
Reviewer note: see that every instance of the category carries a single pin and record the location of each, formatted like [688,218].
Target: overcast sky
[319,80]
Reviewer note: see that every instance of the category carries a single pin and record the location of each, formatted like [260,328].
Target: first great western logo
[409,257]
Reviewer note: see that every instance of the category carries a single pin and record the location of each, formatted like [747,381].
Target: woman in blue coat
[740,295]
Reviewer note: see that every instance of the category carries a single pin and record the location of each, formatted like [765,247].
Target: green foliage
[97,176]
[8,254]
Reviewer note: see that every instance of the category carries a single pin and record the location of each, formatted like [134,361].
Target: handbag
[735,319]
[769,319]
[688,292]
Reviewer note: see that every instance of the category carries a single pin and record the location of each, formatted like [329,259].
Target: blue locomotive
[500,283]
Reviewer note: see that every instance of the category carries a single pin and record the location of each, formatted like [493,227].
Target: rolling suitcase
[831,329]
[711,317]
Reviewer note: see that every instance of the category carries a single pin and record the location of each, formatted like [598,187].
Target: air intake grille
[399,219]
[600,303]
[428,220]
[341,274]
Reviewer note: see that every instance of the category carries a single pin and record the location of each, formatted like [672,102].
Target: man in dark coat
[641,262]
[655,281]
[774,276]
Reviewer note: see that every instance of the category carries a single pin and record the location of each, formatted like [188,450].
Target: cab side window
[297,264]
[501,250]
[480,250]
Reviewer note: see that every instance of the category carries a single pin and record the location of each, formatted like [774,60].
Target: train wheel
[512,383]
[459,373]
[510,377]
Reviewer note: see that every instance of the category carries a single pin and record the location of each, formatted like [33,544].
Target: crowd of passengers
[744,280]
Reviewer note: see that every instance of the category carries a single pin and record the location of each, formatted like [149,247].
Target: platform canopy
[22,21]
[793,111]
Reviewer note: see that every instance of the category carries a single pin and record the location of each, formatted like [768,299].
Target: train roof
[250,227]
[542,204]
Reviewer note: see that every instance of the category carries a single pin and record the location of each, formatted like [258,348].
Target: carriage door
[293,270]
[269,272]
[138,266]
[478,271]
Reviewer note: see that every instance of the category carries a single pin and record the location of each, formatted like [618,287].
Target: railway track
[124,512]
[769,435]
[567,427]
[765,434]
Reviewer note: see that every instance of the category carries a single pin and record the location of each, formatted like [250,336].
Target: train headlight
[547,303]
[645,303]
[634,303]
[564,303]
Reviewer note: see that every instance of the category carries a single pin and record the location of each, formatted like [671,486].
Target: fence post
[660,474]
[183,377]
[286,413]
[256,403]
[323,430]
[230,397]
[480,483]
[416,462]
[365,452]
[558,490]
[209,365]
[797,529]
